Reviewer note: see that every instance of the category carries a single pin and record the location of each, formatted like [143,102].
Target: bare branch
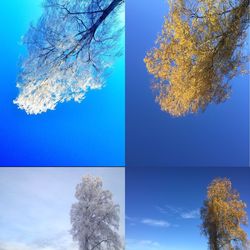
[67,52]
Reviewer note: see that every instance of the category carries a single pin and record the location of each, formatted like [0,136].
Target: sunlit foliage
[198,52]
[69,51]
[222,215]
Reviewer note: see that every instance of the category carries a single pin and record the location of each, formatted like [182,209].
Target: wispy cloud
[147,244]
[179,212]
[44,197]
[156,223]
[169,209]
[147,221]
[132,221]
[62,242]
[193,214]
[132,244]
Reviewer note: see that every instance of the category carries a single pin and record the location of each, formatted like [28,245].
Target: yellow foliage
[222,215]
[197,53]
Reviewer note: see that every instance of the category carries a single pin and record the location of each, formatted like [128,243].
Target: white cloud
[60,242]
[132,244]
[132,221]
[179,212]
[156,223]
[193,214]
[35,204]
[147,244]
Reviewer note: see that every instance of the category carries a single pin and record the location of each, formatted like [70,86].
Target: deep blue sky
[162,205]
[218,137]
[90,133]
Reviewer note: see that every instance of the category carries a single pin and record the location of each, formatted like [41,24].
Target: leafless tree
[69,52]
[95,217]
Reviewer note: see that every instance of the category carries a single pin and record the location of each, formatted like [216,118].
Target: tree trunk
[214,244]
[213,241]
[106,12]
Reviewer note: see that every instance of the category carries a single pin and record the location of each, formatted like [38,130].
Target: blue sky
[162,205]
[35,205]
[218,137]
[89,134]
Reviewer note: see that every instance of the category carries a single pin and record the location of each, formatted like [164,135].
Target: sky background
[162,205]
[218,137]
[89,134]
[35,205]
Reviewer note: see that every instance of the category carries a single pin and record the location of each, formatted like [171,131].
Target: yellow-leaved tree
[199,50]
[223,214]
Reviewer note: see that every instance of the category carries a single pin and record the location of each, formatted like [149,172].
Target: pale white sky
[35,205]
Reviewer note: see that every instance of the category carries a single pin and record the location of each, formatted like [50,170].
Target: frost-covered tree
[69,51]
[95,217]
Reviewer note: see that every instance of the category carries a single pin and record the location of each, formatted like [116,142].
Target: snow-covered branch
[95,217]
[69,51]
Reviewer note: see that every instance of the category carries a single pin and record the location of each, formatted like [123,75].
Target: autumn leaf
[198,52]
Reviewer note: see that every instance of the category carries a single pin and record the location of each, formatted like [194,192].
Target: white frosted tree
[95,217]
[70,50]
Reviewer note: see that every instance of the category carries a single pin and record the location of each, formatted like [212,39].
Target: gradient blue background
[183,188]
[218,137]
[90,133]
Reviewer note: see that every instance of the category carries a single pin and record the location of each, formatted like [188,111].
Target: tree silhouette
[222,215]
[198,52]
[69,51]
[95,217]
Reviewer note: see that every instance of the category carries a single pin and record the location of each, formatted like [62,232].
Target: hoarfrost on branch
[70,51]
[95,217]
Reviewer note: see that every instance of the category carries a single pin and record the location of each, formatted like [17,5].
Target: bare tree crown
[95,217]
[69,51]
